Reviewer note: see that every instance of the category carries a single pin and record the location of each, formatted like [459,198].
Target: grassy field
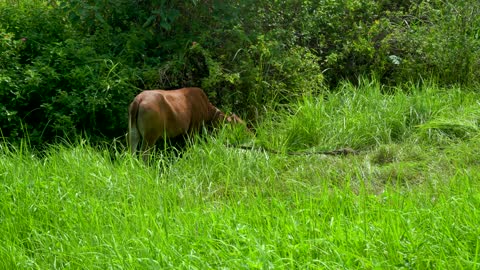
[409,199]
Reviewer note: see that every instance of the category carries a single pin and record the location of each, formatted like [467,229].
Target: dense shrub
[73,66]
[54,82]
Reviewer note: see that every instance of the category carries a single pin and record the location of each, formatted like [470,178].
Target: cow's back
[197,107]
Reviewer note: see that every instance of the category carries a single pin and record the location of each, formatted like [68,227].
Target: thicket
[68,67]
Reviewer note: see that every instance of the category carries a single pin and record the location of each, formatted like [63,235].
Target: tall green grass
[410,199]
[370,115]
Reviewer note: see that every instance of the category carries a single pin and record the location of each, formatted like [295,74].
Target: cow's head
[235,119]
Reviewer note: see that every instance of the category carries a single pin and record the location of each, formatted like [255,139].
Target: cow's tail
[133,132]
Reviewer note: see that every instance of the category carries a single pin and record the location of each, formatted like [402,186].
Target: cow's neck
[216,114]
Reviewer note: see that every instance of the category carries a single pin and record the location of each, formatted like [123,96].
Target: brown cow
[157,113]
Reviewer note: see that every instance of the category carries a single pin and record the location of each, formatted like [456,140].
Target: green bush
[265,72]
[430,40]
[54,83]
[9,76]
[73,66]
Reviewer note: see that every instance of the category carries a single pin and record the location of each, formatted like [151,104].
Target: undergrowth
[409,199]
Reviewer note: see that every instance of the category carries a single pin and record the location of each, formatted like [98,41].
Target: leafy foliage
[73,66]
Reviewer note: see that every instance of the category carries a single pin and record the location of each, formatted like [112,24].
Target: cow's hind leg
[148,144]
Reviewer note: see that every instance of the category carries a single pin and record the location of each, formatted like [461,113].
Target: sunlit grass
[409,199]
